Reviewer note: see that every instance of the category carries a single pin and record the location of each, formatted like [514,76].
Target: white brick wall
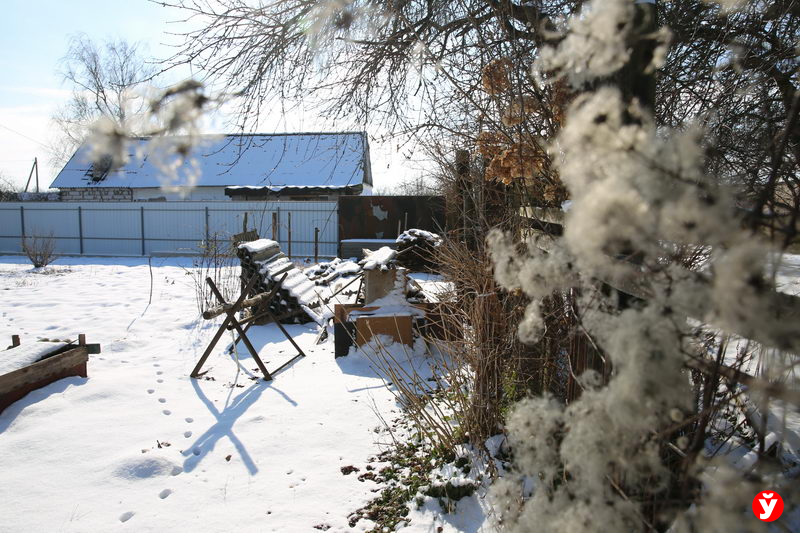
[96,194]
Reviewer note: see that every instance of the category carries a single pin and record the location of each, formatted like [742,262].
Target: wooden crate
[396,326]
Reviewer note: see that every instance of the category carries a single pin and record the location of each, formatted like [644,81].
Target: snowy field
[140,446]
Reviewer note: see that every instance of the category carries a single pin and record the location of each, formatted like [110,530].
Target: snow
[787,278]
[379,259]
[256,246]
[273,160]
[326,272]
[415,234]
[433,286]
[141,446]
[26,354]
[372,241]
[393,304]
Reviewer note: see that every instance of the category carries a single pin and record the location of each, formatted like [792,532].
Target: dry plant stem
[218,262]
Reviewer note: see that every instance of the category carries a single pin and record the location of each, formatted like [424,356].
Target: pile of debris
[297,300]
[325,273]
[416,250]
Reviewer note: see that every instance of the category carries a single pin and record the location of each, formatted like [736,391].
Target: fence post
[141,211]
[208,236]
[80,228]
[316,245]
[290,234]
[275,227]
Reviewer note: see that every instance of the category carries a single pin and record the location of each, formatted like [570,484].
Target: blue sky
[34,36]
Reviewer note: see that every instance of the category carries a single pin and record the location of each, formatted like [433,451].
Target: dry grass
[218,262]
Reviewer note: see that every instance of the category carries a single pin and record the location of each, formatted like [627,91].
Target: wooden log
[249,302]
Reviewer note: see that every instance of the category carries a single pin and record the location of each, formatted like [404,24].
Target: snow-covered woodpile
[326,273]
[416,250]
[297,300]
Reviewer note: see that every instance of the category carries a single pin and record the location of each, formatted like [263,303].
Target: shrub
[40,250]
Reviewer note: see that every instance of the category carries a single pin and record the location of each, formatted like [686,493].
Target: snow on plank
[31,366]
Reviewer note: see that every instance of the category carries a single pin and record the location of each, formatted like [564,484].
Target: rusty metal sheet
[384,217]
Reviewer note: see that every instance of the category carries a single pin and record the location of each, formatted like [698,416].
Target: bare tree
[107,81]
[417,186]
[8,192]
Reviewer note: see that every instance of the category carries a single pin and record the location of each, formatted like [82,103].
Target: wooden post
[22,220]
[81,339]
[316,245]
[275,227]
[468,215]
[15,341]
[634,80]
[289,244]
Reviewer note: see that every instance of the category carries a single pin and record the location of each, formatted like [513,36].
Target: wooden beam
[196,372]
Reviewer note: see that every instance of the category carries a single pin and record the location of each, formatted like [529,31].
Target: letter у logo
[768,506]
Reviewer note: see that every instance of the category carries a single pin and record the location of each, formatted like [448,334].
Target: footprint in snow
[150,391]
[159,381]
[159,372]
[167,412]
[162,400]
[189,420]
[187,434]
[124,517]
[164,493]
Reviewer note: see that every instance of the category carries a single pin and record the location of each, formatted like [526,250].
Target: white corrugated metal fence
[146,228]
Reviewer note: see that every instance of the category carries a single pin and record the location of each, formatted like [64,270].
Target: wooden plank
[245,236]
[551,215]
[773,390]
[784,308]
[44,369]
[397,327]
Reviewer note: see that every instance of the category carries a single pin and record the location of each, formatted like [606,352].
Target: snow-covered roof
[332,160]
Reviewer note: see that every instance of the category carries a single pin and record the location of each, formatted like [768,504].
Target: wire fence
[304,229]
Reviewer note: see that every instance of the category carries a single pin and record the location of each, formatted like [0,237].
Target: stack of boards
[297,300]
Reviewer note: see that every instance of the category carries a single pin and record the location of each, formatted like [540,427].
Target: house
[285,166]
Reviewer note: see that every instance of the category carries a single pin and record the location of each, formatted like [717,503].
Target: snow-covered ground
[141,446]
